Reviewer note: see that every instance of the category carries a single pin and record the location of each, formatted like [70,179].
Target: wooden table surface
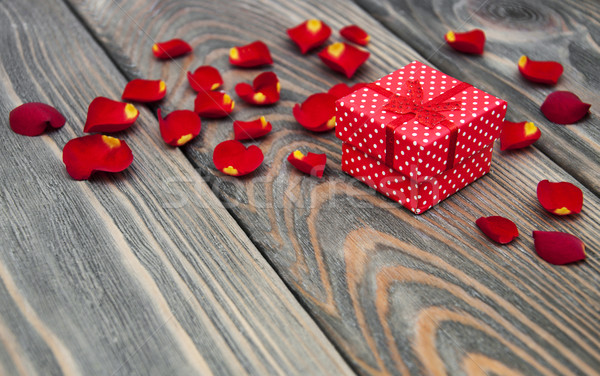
[170,267]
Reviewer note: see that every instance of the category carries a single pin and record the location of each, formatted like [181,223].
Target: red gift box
[433,125]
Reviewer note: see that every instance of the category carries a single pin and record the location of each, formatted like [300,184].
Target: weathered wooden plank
[397,293]
[114,275]
[564,31]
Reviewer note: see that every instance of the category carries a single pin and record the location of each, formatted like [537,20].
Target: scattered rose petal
[233,158]
[250,130]
[84,155]
[312,164]
[205,78]
[355,34]
[518,135]
[264,90]
[251,55]
[343,57]
[545,72]
[564,107]
[317,113]
[213,104]
[32,119]
[144,90]
[470,42]
[179,127]
[106,115]
[560,198]
[341,90]
[499,229]
[309,34]
[558,248]
[171,49]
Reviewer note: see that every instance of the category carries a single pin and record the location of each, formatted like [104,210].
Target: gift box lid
[430,121]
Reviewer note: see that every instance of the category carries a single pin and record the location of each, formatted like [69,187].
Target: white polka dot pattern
[420,151]
[418,197]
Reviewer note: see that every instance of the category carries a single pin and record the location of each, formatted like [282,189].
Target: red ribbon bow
[427,113]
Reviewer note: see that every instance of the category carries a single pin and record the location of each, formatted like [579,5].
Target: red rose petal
[250,130]
[264,90]
[518,135]
[171,49]
[317,113]
[564,107]
[309,34]
[355,34]
[560,198]
[470,42]
[179,127]
[205,78]
[213,104]
[84,155]
[32,119]
[341,90]
[144,90]
[106,115]
[558,248]
[343,57]
[312,164]
[251,55]
[233,158]
[499,229]
[545,72]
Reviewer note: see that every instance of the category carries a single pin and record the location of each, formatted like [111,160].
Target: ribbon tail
[452,143]
[389,137]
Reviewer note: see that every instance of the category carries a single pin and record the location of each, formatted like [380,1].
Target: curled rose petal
[564,107]
[470,42]
[233,158]
[264,90]
[309,34]
[341,90]
[250,130]
[205,78]
[171,49]
[560,198]
[355,34]
[32,119]
[544,72]
[312,164]
[518,135]
[558,248]
[106,115]
[179,127]
[251,55]
[499,229]
[84,155]
[213,104]
[317,112]
[144,90]
[343,57]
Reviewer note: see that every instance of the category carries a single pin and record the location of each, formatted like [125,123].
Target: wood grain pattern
[397,293]
[114,275]
[564,31]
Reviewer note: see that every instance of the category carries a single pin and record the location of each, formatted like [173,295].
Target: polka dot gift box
[418,135]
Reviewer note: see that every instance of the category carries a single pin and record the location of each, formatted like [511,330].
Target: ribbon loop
[429,118]
[446,106]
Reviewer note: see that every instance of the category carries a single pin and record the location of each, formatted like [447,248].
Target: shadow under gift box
[431,132]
